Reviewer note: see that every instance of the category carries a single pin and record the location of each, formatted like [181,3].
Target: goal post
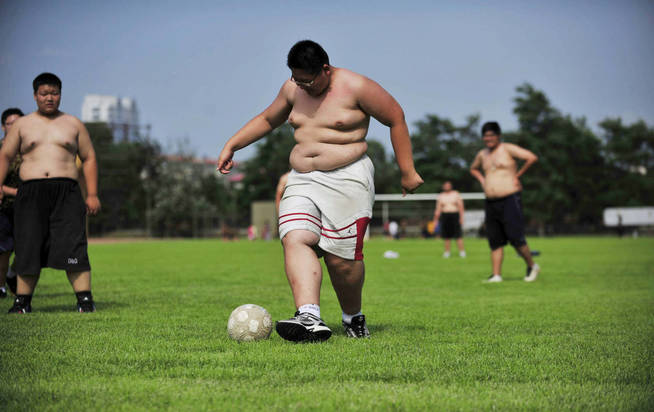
[415,209]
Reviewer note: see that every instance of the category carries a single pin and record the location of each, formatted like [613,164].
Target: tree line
[580,172]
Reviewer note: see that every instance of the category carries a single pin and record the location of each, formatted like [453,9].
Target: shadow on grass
[102,306]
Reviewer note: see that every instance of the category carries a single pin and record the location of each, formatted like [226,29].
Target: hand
[410,182]
[517,183]
[92,205]
[225,161]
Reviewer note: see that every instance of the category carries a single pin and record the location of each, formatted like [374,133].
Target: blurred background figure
[449,216]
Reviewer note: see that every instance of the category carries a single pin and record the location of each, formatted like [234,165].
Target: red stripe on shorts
[362,224]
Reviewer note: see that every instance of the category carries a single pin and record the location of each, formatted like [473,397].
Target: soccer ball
[249,322]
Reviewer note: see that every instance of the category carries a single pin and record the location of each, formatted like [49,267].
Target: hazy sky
[201,69]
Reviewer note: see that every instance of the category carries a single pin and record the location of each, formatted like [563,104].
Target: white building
[120,114]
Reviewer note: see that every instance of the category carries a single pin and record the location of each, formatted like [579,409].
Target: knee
[299,238]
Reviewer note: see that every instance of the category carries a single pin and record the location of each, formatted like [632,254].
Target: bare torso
[48,146]
[500,169]
[330,129]
[449,201]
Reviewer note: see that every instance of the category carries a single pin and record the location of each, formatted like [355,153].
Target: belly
[500,184]
[309,156]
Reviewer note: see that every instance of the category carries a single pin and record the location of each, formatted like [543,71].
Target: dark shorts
[505,221]
[450,225]
[6,230]
[50,221]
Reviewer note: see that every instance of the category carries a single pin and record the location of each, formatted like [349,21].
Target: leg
[304,275]
[447,246]
[4,266]
[497,255]
[347,279]
[459,245]
[525,253]
[302,266]
[80,281]
[25,285]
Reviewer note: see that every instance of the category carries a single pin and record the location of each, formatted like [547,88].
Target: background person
[501,183]
[50,213]
[449,213]
[9,186]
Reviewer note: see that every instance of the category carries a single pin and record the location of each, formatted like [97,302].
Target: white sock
[348,318]
[310,308]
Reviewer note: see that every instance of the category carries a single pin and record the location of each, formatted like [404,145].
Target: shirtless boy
[501,183]
[449,213]
[9,117]
[328,199]
[50,212]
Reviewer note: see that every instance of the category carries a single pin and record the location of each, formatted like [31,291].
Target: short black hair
[307,55]
[491,127]
[9,112]
[48,79]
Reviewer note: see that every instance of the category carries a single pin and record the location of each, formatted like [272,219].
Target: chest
[497,159]
[337,109]
[42,134]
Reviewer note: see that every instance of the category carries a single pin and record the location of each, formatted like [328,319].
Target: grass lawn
[581,337]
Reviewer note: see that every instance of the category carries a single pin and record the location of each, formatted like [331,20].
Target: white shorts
[335,205]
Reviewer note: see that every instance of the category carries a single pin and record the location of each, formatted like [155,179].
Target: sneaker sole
[298,333]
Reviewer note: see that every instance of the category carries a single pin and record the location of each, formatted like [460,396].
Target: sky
[199,70]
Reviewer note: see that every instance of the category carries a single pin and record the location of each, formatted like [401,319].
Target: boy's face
[47,99]
[9,122]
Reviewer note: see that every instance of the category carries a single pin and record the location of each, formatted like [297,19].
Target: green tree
[563,187]
[443,151]
[121,190]
[629,154]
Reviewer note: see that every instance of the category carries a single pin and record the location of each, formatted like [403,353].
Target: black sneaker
[357,328]
[20,306]
[86,305]
[3,293]
[11,282]
[303,327]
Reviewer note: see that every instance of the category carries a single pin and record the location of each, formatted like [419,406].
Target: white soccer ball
[249,322]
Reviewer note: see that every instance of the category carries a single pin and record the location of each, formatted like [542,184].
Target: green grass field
[581,337]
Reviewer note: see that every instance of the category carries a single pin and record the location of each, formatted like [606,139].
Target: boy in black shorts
[50,211]
[501,182]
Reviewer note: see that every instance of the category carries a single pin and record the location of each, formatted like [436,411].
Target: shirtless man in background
[501,183]
[327,202]
[449,213]
[50,211]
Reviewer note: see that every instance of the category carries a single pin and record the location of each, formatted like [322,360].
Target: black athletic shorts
[450,225]
[50,222]
[6,230]
[505,221]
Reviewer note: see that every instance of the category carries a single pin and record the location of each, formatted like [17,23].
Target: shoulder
[70,119]
[510,146]
[349,79]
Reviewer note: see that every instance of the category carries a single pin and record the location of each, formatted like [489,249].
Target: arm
[90,168]
[437,211]
[259,126]
[475,169]
[281,186]
[10,146]
[459,204]
[518,152]
[378,103]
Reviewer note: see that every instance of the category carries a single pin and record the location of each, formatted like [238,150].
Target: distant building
[119,113]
